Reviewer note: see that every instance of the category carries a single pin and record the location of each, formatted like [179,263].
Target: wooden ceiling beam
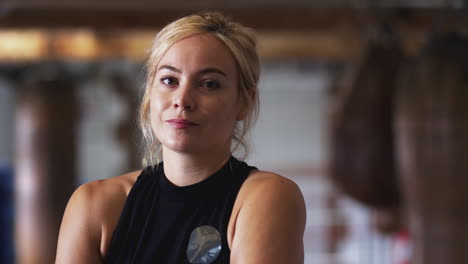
[260,19]
[328,34]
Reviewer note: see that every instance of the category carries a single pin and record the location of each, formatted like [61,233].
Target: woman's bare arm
[270,224]
[80,232]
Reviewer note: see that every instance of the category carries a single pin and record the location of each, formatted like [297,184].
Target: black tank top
[158,217]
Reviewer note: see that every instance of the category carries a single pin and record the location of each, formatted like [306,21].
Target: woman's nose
[184,98]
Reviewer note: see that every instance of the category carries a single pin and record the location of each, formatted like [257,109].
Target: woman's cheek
[155,113]
[157,104]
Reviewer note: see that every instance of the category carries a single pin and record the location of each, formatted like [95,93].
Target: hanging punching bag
[431,128]
[361,146]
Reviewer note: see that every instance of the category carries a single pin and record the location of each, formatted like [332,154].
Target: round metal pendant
[204,245]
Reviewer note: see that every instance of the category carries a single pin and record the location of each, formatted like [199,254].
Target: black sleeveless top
[158,217]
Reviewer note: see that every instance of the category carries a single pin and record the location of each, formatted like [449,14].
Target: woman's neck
[187,169]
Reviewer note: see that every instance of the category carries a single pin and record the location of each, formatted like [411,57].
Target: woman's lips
[180,123]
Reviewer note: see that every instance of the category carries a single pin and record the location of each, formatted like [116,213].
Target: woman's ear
[246,106]
[242,112]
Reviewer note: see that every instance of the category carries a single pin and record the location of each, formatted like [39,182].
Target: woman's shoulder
[110,187]
[92,213]
[260,181]
[269,208]
[104,193]
[263,189]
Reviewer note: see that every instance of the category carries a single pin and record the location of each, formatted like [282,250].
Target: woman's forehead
[199,52]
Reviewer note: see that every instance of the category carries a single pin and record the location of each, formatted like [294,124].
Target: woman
[200,205]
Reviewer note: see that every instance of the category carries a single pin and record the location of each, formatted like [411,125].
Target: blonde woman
[194,202]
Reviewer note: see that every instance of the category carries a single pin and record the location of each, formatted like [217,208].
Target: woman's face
[194,99]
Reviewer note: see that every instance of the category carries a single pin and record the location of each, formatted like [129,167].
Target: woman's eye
[212,85]
[169,81]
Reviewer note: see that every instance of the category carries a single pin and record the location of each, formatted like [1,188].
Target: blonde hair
[238,39]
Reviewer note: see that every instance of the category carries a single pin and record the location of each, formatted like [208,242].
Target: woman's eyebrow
[171,68]
[203,71]
[213,70]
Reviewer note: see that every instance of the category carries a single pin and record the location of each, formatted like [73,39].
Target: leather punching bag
[361,133]
[431,127]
